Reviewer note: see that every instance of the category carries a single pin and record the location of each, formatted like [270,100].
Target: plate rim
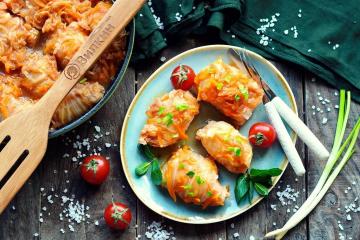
[171,216]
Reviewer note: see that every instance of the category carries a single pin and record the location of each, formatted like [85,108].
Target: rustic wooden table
[30,213]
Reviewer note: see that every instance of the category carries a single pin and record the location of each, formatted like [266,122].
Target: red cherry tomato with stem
[95,169]
[117,216]
[182,77]
[262,134]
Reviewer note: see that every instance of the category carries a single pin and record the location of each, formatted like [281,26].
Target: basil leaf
[267,182]
[142,168]
[156,175]
[261,189]
[251,191]
[241,187]
[145,149]
[272,172]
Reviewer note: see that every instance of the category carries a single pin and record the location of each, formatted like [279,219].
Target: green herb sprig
[142,169]
[258,180]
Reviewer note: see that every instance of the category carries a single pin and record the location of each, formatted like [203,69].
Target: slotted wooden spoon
[25,134]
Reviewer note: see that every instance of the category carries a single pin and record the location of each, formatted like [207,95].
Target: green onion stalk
[325,180]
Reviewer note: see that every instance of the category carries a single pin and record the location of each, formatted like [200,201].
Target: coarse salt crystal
[97,128]
[341,227]
[71,228]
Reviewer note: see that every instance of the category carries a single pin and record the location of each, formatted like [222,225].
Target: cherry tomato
[95,169]
[262,134]
[182,77]
[117,216]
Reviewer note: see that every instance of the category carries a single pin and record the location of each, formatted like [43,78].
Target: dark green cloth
[321,25]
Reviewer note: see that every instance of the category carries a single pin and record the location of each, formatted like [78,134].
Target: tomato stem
[92,165]
[118,215]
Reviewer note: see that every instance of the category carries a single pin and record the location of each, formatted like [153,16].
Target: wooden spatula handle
[119,15]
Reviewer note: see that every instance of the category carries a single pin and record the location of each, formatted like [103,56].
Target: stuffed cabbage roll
[65,43]
[77,102]
[194,179]
[168,118]
[226,145]
[229,90]
[40,72]
[11,99]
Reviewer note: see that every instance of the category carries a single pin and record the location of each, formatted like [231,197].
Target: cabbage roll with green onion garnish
[168,119]
[226,145]
[194,179]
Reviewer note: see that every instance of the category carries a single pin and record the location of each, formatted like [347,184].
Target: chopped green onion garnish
[181,166]
[182,107]
[227,78]
[191,194]
[83,80]
[188,187]
[219,86]
[244,91]
[161,110]
[237,97]
[199,180]
[190,174]
[235,150]
[209,194]
[168,119]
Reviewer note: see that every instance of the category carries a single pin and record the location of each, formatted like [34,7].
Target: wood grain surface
[21,218]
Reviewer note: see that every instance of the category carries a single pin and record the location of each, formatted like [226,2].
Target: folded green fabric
[322,36]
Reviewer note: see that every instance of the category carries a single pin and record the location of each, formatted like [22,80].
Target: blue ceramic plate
[109,91]
[158,83]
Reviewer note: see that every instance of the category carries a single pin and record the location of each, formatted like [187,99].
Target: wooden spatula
[24,136]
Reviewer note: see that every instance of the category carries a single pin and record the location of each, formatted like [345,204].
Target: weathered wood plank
[146,216]
[324,219]
[20,219]
[261,218]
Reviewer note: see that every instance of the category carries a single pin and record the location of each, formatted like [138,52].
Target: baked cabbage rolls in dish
[229,90]
[168,119]
[194,179]
[226,145]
